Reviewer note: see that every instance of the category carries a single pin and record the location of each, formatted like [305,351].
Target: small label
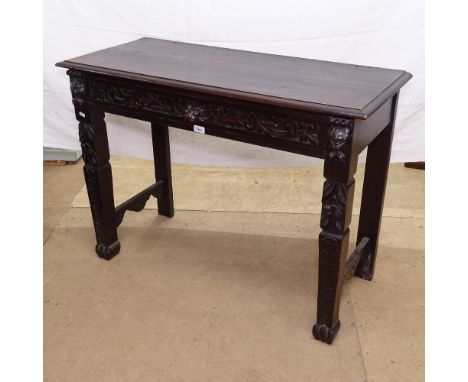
[199,129]
[82,114]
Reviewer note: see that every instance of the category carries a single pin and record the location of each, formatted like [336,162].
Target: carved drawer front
[205,113]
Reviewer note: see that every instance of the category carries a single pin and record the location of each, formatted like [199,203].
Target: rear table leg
[373,194]
[162,166]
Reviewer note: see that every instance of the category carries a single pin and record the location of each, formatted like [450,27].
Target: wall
[387,33]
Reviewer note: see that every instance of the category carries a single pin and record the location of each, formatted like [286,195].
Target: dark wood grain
[313,85]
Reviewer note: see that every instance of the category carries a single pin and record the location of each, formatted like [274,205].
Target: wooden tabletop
[305,84]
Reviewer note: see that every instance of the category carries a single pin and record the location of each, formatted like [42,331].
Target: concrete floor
[225,291]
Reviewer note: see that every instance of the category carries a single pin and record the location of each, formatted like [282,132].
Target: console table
[316,108]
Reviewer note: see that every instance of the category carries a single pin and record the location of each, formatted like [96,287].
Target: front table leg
[98,177]
[97,169]
[337,201]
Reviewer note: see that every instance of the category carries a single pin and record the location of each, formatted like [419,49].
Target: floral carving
[86,134]
[77,87]
[196,111]
[334,199]
[339,139]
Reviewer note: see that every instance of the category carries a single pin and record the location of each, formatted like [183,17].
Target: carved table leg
[97,169]
[98,176]
[162,166]
[373,193]
[337,201]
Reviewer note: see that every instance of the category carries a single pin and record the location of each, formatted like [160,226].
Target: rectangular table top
[298,83]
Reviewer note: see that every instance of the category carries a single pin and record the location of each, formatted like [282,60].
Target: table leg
[162,166]
[98,177]
[337,201]
[333,247]
[373,194]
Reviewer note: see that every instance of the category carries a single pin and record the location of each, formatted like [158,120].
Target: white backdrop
[386,33]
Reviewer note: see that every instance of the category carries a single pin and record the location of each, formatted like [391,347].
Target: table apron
[283,129]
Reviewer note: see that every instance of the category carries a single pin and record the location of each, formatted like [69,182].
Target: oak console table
[316,108]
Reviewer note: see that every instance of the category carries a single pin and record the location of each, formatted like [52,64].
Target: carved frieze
[198,111]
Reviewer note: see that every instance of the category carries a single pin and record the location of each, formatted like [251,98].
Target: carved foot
[107,252]
[324,333]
